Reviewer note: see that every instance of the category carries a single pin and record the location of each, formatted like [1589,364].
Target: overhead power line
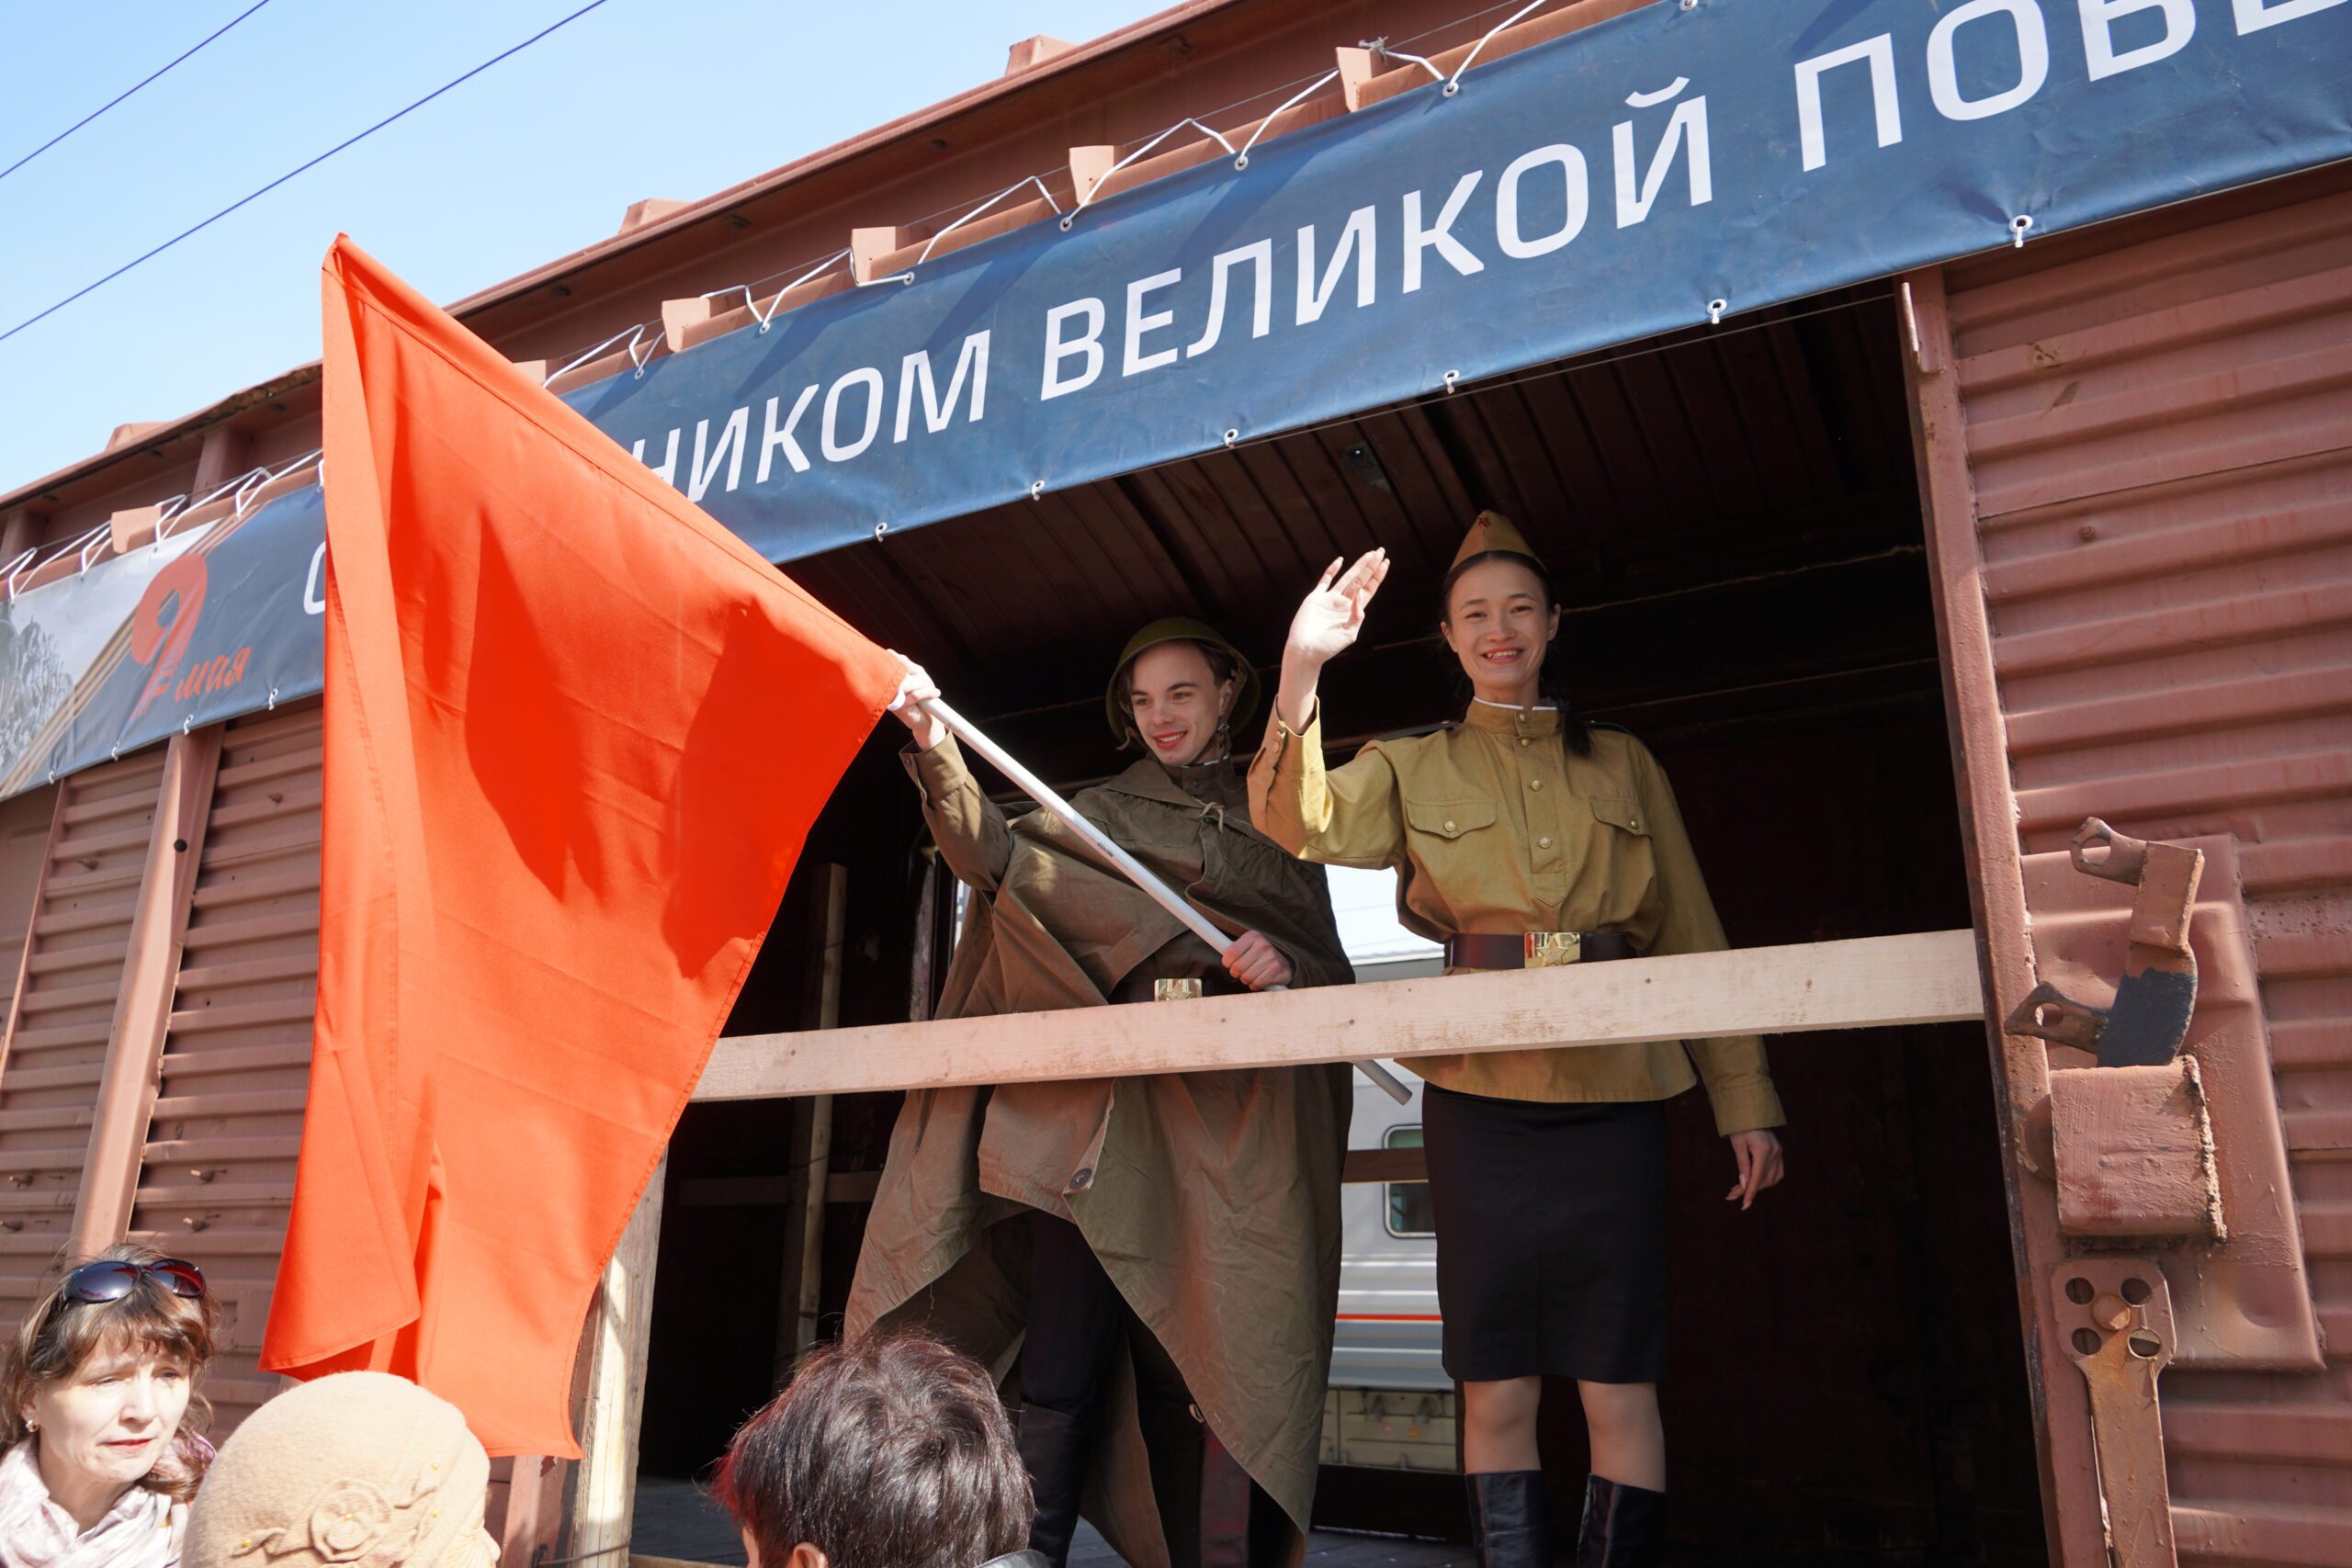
[119,97]
[300,169]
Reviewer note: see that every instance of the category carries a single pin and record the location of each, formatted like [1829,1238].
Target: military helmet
[1180,628]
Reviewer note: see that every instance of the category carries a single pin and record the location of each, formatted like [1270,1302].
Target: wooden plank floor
[675,1520]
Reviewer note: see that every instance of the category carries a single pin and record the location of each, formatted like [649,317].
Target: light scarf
[35,1533]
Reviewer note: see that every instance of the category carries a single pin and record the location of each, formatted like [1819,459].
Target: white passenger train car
[1391,1405]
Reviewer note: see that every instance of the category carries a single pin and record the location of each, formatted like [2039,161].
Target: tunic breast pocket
[1620,844]
[1452,840]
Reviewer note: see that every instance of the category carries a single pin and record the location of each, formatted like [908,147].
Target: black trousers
[1078,1323]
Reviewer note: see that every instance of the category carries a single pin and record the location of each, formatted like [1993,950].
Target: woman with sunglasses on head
[1524,836]
[1164,1249]
[101,1416]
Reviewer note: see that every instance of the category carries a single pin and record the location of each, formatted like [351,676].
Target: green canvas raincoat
[1211,1199]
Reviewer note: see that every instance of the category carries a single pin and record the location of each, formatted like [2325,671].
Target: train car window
[1408,1201]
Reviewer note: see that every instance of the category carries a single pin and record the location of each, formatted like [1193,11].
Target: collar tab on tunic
[1500,720]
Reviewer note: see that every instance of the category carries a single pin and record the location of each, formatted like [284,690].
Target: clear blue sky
[530,160]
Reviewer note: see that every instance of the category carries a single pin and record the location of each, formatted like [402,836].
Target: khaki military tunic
[1494,826]
[1212,1200]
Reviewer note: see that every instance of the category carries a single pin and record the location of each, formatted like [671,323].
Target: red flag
[576,732]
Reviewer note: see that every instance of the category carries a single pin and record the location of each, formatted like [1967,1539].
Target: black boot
[1054,1452]
[1624,1526]
[1510,1525]
[1173,1439]
[1203,1494]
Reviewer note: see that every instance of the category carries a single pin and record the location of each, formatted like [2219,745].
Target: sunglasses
[110,1280]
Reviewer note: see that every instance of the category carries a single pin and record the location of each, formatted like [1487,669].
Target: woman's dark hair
[886,1451]
[59,1334]
[1573,731]
[1223,667]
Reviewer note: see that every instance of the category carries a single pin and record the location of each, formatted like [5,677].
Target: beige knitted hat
[360,1470]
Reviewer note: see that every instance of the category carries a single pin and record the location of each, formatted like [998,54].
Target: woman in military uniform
[1164,1251]
[1523,835]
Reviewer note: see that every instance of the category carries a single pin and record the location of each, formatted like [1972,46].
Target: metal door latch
[2157,993]
[2114,1317]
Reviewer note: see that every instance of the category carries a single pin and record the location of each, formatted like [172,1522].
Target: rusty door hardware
[2149,1019]
[2114,1317]
[2132,1150]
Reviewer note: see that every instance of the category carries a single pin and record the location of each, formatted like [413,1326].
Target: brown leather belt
[1137,989]
[1536,950]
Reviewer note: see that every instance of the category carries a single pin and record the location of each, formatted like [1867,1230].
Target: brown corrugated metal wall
[217,1172]
[2156,427]
[69,983]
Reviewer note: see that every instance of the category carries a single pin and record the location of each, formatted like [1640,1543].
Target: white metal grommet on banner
[1716,309]
[1231,436]
[1453,82]
[1036,490]
[2018,227]
[880,529]
[1450,378]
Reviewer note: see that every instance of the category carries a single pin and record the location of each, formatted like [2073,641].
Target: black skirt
[1551,1236]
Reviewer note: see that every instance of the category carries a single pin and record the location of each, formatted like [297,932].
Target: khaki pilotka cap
[1491,531]
[361,1469]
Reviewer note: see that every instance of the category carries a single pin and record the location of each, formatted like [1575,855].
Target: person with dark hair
[885,1451]
[101,1416]
[1522,836]
[1163,1249]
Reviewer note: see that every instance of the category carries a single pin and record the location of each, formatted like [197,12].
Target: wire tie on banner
[1032,180]
[114,752]
[1453,84]
[1690,4]
[1241,159]
[1036,490]
[167,512]
[187,725]
[248,487]
[1380,46]
[776,304]
[1231,436]
[2018,227]
[271,706]
[1716,309]
[17,568]
[749,302]
[1450,378]
[1088,194]
[632,333]
[879,529]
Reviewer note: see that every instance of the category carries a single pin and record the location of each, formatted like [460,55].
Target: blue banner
[1691,160]
[1688,162]
[213,620]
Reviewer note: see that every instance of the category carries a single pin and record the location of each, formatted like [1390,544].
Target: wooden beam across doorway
[1864,982]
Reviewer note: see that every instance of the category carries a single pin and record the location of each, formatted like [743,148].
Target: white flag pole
[1133,869]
